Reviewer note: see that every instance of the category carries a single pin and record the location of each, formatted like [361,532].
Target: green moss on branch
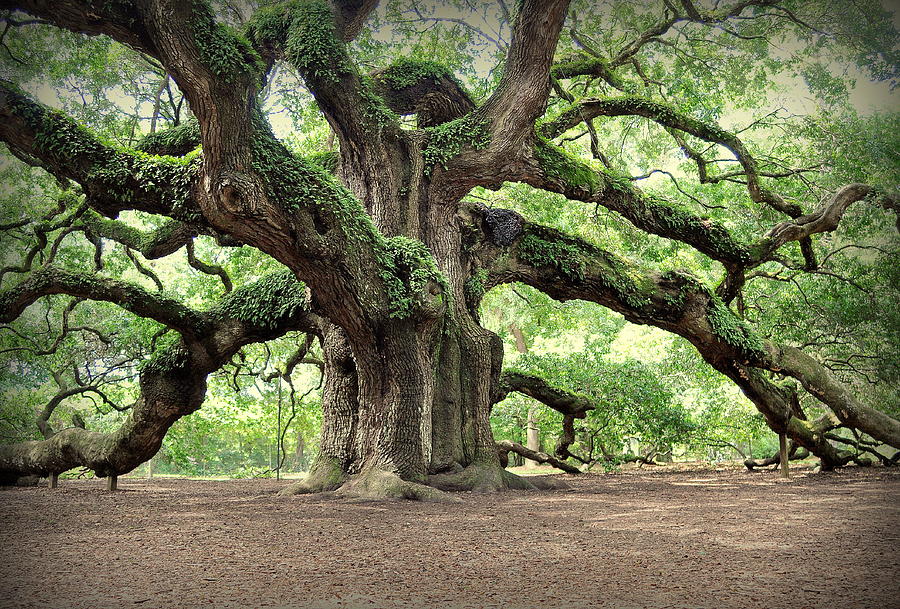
[170,356]
[265,303]
[448,140]
[120,178]
[407,72]
[557,164]
[222,49]
[408,271]
[405,266]
[727,327]
[176,141]
[304,30]
[579,262]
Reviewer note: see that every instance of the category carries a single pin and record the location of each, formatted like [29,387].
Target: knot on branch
[240,193]
[504,225]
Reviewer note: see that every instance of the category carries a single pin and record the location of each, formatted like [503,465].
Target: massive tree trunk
[415,401]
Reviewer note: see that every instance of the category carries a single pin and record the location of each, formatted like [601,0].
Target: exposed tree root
[380,484]
[325,475]
[482,478]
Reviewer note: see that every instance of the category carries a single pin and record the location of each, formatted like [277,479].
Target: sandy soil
[657,538]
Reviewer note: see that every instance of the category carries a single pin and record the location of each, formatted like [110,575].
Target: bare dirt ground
[641,538]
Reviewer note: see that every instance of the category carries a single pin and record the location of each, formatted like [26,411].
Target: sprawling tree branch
[539,389]
[568,268]
[824,219]
[794,453]
[664,115]
[113,180]
[521,96]
[561,173]
[51,280]
[311,37]
[172,383]
[821,383]
[557,171]
[593,64]
[571,406]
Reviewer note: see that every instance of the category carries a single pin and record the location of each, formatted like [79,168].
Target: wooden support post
[54,481]
[112,483]
[783,456]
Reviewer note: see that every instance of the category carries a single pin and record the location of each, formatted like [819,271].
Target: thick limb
[506,446]
[172,383]
[113,180]
[795,453]
[522,94]
[52,280]
[568,268]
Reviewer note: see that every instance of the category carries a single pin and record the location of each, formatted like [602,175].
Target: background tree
[585,149]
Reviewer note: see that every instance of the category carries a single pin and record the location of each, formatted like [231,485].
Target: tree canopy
[203,197]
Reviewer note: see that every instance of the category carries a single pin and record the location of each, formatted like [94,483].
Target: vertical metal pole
[784,457]
[278,437]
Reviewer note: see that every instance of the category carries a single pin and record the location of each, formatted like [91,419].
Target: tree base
[480,478]
[377,484]
[325,475]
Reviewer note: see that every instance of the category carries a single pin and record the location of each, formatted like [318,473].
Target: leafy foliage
[448,140]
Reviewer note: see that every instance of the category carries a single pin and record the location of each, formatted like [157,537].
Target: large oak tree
[386,254]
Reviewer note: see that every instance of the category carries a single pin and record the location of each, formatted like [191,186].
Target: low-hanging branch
[172,383]
[565,268]
[538,388]
[795,453]
[53,280]
[557,171]
[506,446]
[862,446]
